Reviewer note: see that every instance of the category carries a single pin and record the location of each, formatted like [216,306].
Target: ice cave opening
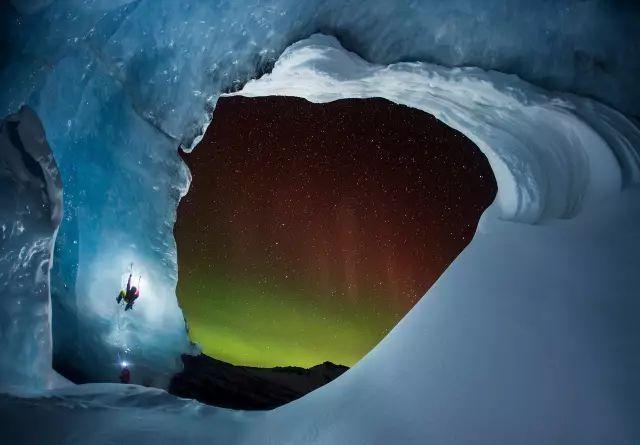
[530,336]
[307,233]
[570,166]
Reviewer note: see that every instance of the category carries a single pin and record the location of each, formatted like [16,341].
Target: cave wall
[30,212]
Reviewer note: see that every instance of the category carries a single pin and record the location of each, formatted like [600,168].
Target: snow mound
[112,413]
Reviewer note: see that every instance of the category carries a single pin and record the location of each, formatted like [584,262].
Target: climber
[125,374]
[129,295]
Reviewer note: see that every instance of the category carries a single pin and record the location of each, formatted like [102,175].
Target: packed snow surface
[531,336]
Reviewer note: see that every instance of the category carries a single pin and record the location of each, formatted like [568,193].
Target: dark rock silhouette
[222,384]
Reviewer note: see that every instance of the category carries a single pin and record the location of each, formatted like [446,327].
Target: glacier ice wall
[30,212]
[122,179]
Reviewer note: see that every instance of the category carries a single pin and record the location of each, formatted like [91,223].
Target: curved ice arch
[531,335]
[551,154]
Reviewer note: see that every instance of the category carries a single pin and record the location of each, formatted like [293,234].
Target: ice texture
[530,336]
[30,212]
[574,161]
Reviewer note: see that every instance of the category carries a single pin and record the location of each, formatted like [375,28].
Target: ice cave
[530,336]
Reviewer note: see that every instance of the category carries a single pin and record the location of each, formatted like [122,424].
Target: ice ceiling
[531,336]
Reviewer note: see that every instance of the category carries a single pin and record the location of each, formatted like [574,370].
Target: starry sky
[309,229]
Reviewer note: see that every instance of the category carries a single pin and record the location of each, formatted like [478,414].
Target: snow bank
[113,413]
[530,337]
[30,212]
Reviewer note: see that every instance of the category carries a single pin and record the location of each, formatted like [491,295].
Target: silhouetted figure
[125,375]
[129,295]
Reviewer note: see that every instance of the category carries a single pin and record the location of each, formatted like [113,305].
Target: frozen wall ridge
[551,152]
[30,212]
[123,207]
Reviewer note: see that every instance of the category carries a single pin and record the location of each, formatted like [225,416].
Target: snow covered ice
[530,336]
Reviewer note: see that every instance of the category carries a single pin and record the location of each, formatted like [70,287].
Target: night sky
[311,229]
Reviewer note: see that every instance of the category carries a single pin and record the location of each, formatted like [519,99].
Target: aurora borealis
[311,229]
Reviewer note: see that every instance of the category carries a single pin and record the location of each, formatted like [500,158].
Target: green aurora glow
[309,230]
[270,327]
